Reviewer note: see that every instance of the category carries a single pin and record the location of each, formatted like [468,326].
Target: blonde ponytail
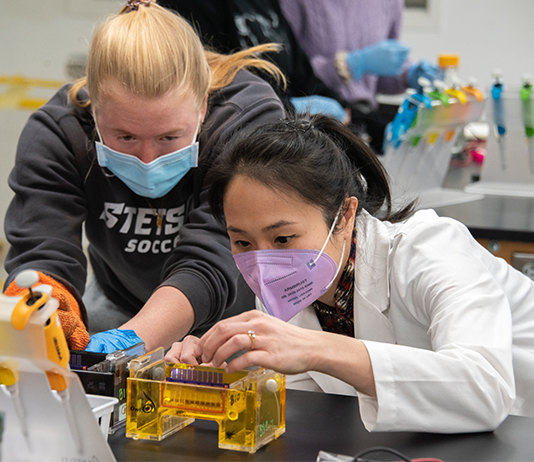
[150,50]
[225,67]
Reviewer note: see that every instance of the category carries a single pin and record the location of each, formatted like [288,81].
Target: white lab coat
[447,326]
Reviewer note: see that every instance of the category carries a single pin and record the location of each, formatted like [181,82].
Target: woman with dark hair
[406,310]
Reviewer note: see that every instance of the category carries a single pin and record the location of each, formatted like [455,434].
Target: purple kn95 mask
[288,280]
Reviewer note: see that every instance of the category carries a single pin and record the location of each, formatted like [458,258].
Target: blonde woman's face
[147,128]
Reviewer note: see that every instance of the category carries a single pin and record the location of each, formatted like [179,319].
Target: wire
[382,449]
[395,452]
[427,459]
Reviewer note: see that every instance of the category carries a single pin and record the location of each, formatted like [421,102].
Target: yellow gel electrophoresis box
[163,398]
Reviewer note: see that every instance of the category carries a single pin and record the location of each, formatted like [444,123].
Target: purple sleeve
[324,27]
[325,67]
[309,27]
[397,84]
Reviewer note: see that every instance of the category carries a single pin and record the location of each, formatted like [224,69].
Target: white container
[102,407]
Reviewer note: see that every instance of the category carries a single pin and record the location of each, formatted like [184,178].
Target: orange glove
[71,311]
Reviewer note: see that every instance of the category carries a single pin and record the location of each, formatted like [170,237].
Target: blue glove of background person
[112,340]
[383,58]
[317,104]
[422,69]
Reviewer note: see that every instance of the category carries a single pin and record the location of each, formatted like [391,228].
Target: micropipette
[526,105]
[417,100]
[498,114]
[426,88]
[438,93]
[57,349]
[402,122]
[456,92]
[9,377]
[406,117]
[471,89]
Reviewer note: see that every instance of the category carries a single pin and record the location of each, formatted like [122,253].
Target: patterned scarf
[340,319]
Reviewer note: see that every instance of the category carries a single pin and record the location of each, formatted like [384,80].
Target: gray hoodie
[60,189]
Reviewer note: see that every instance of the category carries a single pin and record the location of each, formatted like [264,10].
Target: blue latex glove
[422,69]
[317,104]
[383,58]
[112,340]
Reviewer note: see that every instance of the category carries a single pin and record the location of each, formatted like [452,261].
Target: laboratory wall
[41,39]
[486,34]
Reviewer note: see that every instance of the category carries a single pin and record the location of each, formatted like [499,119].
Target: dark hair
[316,157]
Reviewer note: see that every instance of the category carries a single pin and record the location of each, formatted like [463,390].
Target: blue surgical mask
[154,179]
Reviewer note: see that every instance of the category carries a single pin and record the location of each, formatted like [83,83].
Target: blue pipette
[498,115]
[411,153]
[406,117]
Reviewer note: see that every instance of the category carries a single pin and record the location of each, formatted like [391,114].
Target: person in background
[406,310]
[353,48]
[121,154]
[229,25]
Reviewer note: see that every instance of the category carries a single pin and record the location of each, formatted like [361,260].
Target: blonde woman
[121,154]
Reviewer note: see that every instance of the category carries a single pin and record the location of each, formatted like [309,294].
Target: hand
[278,345]
[72,315]
[286,348]
[184,351]
[317,104]
[112,340]
[422,69]
[384,58]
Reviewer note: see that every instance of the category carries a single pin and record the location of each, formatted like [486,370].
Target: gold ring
[252,336]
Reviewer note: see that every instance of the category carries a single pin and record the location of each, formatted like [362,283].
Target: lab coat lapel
[371,296]
[371,281]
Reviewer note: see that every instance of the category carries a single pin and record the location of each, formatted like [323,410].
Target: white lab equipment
[48,416]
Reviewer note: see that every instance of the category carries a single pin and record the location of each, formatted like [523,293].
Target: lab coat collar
[371,280]
[371,296]
[371,284]
[371,274]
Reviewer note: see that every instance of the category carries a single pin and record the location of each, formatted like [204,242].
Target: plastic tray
[102,407]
